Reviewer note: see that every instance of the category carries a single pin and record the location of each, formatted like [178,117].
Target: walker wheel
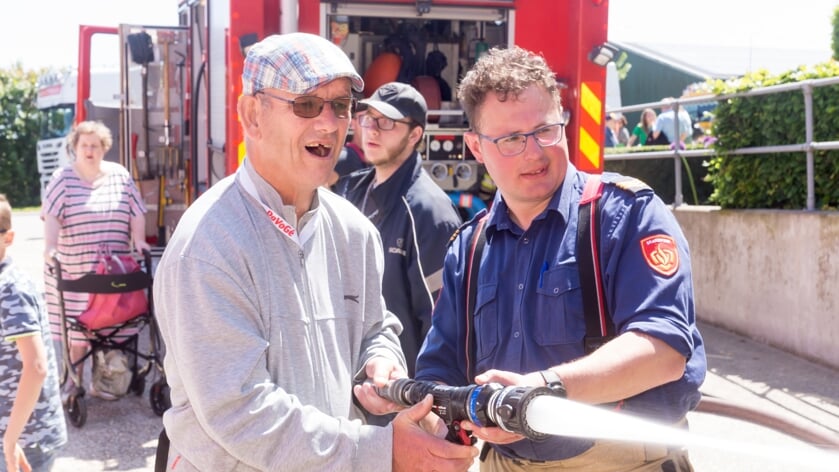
[159,398]
[76,410]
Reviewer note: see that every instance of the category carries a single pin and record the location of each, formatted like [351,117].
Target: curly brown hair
[507,72]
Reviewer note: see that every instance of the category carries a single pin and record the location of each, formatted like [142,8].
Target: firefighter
[529,316]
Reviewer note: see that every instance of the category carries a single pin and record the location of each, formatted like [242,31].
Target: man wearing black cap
[413,214]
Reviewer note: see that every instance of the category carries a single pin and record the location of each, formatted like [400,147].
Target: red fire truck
[185,134]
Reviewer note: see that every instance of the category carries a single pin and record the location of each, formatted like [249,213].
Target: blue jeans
[40,459]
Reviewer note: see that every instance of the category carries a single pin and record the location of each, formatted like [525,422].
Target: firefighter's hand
[494,435]
[379,370]
[415,448]
[497,435]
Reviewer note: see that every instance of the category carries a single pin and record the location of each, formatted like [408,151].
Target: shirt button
[516,334]
[526,240]
[556,290]
[521,286]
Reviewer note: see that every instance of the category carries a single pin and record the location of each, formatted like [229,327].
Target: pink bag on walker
[109,309]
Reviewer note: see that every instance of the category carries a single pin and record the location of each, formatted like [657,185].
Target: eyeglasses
[514,144]
[383,123]
[310,106]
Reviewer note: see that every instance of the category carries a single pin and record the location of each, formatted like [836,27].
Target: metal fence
[808,147]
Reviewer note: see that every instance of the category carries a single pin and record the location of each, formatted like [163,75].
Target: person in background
[528,319]
[435,62]
[31,419]
[643,128]
[351,158]
[665,123]
[87,204]
[288,318]
[413,214]
[621,129]
[610,135]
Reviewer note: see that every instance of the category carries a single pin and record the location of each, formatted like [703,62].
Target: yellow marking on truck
[590,148]
[591,103]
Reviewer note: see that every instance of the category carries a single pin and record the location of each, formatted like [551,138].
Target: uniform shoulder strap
[599,326]
[473,264]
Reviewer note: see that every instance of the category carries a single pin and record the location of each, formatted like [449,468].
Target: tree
[19,178]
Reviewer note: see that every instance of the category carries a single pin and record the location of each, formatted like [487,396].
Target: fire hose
[797,429]
[485,405]
[496,405]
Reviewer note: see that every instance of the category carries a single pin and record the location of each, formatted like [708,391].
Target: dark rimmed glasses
[515,144]
[310,106]
[382,122]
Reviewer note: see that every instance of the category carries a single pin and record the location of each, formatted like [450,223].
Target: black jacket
[415,218]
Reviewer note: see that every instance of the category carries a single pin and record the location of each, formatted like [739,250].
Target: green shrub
[774,180]
[19,178]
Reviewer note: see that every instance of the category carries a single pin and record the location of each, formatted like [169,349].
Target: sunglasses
[309,106]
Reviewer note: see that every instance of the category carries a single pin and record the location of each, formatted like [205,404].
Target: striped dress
[88,215]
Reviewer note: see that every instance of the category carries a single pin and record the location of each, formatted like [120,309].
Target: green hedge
[774,180]
[19,178]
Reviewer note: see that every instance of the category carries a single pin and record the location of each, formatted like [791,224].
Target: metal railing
[808,147]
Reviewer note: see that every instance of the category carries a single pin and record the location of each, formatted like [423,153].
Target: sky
[44,33]
[801,24]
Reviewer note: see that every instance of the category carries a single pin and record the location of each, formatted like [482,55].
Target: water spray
[559,416]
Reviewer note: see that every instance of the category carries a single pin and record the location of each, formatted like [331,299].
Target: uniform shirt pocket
[486,320]
[558,315]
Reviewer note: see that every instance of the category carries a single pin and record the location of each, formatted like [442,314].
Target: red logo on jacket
[661,254]
[280,223]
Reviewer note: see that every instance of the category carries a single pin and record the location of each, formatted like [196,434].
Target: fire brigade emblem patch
[661,254]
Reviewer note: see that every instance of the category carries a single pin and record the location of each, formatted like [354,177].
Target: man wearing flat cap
[412,213]
[269,295]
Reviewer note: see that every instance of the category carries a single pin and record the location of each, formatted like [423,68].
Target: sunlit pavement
[122,435]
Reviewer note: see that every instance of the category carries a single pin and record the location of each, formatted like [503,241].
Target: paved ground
[122,435]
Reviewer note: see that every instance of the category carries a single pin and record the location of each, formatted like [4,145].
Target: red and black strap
[473,265]
[599,326]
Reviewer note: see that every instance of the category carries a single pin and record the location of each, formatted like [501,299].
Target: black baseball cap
[396,101]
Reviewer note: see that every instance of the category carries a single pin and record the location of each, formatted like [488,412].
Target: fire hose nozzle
[484,405]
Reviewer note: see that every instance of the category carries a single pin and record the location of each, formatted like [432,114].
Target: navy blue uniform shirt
[529,307]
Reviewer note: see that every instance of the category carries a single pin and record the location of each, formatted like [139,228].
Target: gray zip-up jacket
[264,338]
